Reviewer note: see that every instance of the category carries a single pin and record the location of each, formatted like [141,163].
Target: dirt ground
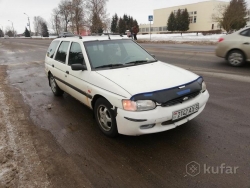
[27,155]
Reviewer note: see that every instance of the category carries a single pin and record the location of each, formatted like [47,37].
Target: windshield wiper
[110,65]
[140,62]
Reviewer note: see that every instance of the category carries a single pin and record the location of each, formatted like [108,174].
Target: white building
[200,17]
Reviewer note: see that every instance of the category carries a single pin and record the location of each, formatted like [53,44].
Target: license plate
[185,112]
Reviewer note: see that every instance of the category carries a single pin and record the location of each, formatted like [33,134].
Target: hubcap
[53,84]
[235,58]
[104,118]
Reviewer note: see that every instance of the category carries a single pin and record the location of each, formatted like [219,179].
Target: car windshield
[116,54]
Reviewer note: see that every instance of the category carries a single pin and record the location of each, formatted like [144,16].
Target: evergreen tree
[241,9]
[184,25]
[97,25]
[44,30]
[114,22]
[171,22]
[234,15]
[121,26]
[26,33]
[126,21]
[178,20]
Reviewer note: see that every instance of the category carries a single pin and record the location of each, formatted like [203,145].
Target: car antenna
[80,37]
[109,36]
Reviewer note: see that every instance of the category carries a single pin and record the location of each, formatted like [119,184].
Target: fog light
[147,126]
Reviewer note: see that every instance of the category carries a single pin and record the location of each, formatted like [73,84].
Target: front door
[77,79]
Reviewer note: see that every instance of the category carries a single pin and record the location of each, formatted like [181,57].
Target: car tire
[236,58]
[105,117]
[54,87]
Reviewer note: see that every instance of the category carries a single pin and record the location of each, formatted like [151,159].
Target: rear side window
[62,52]
[52,49]
[245,33]
[75,54]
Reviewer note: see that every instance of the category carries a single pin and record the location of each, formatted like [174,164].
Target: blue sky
[140,9]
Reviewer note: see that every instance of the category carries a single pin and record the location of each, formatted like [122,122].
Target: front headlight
[140,105]
[204,87]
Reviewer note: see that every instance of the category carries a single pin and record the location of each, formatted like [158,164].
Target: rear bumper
[129,123]
[220,51]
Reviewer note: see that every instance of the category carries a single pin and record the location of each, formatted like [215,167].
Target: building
[200,17]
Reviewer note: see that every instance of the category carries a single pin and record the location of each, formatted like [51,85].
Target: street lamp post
[29,22]
[12,28]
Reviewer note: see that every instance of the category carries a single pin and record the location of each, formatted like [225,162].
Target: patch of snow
[178,37]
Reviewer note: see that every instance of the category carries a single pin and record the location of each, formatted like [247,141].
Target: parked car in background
[235,47]
[6,36]
[129,91]
[128,33]
[66,34]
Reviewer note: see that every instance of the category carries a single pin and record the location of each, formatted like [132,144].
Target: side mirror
[78,67]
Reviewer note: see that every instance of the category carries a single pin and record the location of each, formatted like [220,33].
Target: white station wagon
[130,91]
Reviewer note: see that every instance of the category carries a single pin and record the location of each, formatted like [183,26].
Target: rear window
[245,33]
[52,49]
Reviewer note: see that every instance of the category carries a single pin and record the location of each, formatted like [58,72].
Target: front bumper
[158,116]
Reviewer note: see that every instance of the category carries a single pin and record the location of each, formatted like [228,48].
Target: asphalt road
[217,141]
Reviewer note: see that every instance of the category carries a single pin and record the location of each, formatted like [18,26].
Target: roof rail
[100,34]
[64,36]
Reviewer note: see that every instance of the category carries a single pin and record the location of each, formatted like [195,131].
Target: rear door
[59,65]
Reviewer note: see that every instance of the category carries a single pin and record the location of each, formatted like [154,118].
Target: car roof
[93,38]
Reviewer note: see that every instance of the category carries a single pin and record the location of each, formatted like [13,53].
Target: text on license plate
[185,112]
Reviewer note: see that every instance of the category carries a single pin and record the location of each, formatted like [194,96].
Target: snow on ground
[179,38]
[189,37]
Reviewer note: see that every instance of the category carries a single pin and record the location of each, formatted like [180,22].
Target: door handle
[52,65]
[67,72]
[246,43]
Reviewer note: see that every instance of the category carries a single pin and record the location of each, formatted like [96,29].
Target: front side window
[75,54]
[62,52]
[52,49]
[116,52]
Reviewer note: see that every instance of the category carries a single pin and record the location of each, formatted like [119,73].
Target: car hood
[148,77]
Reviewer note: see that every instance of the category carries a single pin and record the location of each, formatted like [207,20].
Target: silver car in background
[235,48]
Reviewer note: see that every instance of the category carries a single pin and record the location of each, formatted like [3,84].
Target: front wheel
[236,58]
[105,117]
[54,87]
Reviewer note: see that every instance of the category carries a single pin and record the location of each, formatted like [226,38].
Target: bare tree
[38,21]
[56,21]
[65,9]
[77,14]
[98,18]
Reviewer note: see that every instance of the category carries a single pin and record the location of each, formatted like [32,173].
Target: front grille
[180,99]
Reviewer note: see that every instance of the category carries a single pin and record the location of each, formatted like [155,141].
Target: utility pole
[29,23]
[12,28]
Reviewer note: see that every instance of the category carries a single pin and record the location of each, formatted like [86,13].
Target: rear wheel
[236,58]
[54,87]
[105,117]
